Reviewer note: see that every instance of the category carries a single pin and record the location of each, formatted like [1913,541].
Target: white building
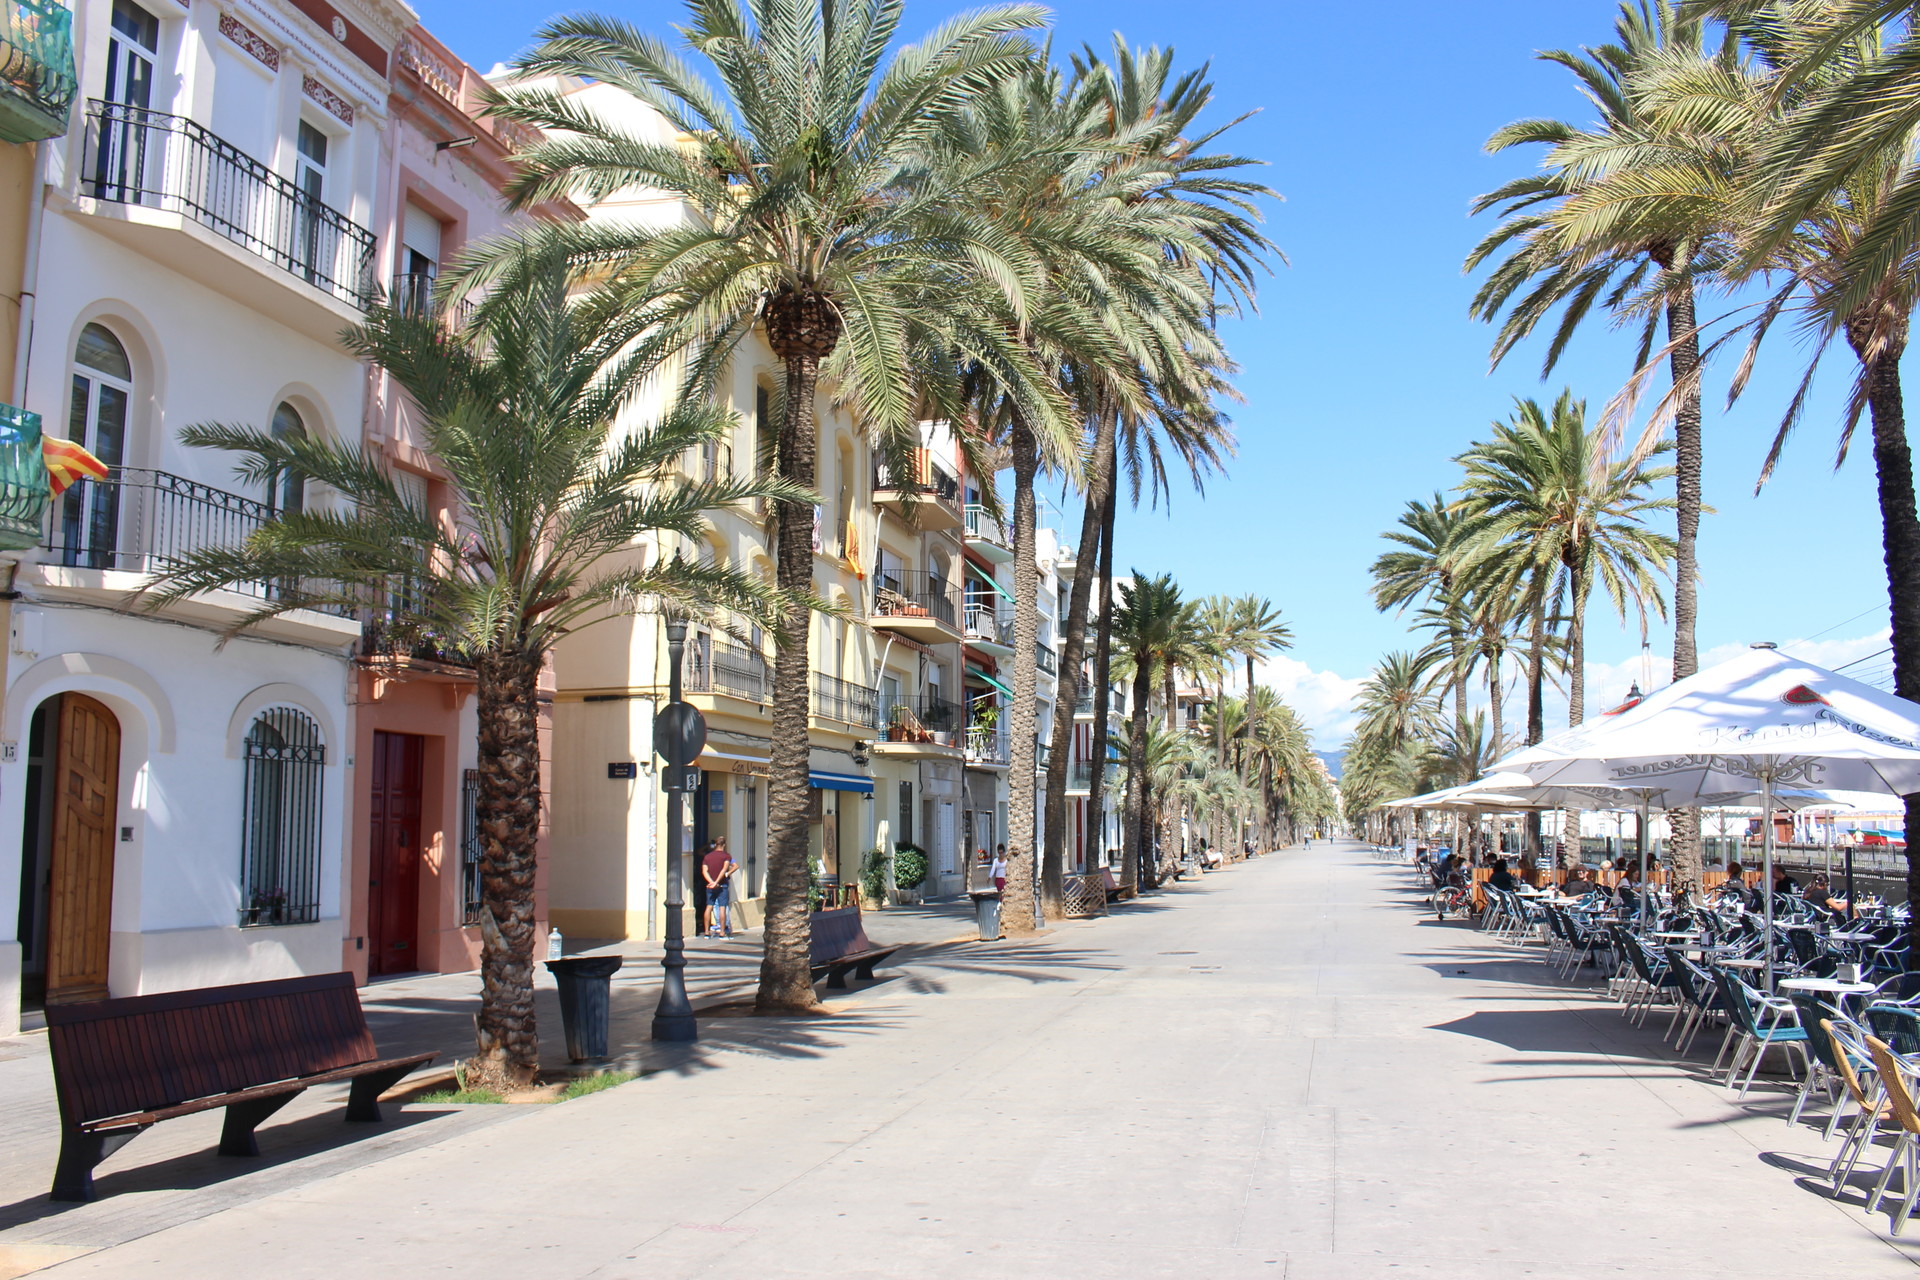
[175,808]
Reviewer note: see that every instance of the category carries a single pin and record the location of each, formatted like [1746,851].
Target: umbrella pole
[1646,895]
[1766,858]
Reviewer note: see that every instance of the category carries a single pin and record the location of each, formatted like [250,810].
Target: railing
[720,664]
[411,293]
[845,701]
[924,718]
[984,620]
[387,634]
[36,69]
[988,745]
[930,479]
[23,479]
[916,595]
[1080,773]
[982,527]
[137,156]
[1083,701]
[1045,659]
[140,521]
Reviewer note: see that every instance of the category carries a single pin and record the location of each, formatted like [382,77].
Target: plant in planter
[875,871]
[910,869]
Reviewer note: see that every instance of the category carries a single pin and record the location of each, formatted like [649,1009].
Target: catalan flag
[67,462]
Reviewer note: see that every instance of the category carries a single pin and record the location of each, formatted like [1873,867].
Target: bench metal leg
[79,1153]
[363,1098]
[837,977]
[236,1138]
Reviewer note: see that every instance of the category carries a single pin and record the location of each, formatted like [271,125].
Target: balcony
[1083,702]
[388,638]
[37,80]
[411,293]
[1080,775]
[987,625]
[1045,659]
[722,665]
[160,175]
[23,480]
[107,537]
[918,606]
[986,535]
[920,726]
[844,701]
[987,747]
[933,491]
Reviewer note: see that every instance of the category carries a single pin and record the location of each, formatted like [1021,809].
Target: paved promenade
[1280,1071]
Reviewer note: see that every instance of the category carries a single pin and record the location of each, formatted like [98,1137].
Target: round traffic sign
[679,733]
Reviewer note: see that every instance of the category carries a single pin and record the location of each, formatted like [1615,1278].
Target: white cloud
[1323,699]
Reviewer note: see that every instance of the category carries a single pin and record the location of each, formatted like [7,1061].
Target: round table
[1840,991]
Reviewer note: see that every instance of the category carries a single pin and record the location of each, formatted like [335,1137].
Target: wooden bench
[122,1066]
[1117,892]
[840,947]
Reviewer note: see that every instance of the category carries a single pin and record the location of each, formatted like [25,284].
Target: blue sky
[1363,376]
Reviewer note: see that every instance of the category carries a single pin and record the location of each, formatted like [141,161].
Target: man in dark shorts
[717,869]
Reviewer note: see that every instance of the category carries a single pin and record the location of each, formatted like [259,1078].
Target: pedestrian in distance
[717,869]
[999,868]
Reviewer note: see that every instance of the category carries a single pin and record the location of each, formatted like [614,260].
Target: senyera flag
[67,462]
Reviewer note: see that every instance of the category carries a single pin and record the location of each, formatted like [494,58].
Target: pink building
[413,878]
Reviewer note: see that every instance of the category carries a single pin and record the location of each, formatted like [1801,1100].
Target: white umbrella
[1761,718]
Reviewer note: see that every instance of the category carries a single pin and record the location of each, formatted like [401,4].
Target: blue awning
[839,782]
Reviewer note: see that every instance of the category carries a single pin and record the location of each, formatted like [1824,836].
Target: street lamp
[673,1019]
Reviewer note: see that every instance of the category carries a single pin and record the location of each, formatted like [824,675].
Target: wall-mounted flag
[67,462]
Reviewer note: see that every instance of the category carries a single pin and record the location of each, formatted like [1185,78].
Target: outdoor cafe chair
[1862,1079]
[1653,980]
[1699,997]
[1823,1070]
[1905,1155]
[1748,1031]
[1896,1024]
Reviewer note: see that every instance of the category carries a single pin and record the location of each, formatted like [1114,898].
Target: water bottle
[555,944]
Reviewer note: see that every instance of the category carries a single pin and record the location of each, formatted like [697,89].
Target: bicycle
[1452,899]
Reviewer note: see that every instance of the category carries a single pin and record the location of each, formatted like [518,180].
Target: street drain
[1179,953]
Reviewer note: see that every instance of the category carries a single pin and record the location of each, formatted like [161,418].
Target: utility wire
[1835,627]
[1857,661]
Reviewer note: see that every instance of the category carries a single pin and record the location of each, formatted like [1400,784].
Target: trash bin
[586,993]
[986,913]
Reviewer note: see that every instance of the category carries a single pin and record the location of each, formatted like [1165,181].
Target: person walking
[717,869]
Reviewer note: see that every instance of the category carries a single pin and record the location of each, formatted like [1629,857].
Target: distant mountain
[1333,760]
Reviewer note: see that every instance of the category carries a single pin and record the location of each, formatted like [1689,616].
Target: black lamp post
[673,1019]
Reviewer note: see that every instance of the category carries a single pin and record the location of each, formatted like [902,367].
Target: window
[132,45]
[905,834]
[131,50]
[96,421]
[762,429]
[280,820]
[311,223]
[420,233]
[470,852]
[287,490]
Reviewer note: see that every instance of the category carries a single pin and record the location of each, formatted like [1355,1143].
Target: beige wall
[16,180]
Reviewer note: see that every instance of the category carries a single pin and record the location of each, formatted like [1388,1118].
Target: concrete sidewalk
[1281,1070]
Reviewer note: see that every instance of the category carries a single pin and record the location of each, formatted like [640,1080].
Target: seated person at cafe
[1782,882]
[1580,883]
[1628,890]
[1501,878]
[1736,885]
[1820,894]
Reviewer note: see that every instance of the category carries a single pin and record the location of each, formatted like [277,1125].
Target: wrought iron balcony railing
[1045,659]
[845,701]
[931,480]
[387,635]
[924,718]
[137,156]
[916,595]
[1080,774]
[37,80]
[721,664]
[23,480]
[987,745]
[141,521]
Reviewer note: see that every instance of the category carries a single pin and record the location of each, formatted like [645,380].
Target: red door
[393,891]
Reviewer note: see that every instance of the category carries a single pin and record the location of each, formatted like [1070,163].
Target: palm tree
[1422,566]
[1256,632]
[1396,704]
[1569,243]
[1140,118]
[814,219]
[1549,516]
[550,505]
[1146,625]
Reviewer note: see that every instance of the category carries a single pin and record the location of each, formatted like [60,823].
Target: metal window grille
[470,846]
[280,820]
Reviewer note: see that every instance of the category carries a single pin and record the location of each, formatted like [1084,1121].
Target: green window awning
[988,578]
[978,674]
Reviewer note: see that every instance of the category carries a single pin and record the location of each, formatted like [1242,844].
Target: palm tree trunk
[1073,654]
[1139,845]
[1102,675]
[507,1042]
[1684,849]
[786,978]
[1016,911]
[1495,703]
[1900,542]
[1536,708]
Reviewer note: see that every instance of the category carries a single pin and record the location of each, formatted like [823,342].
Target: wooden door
[393,888]
[86,780]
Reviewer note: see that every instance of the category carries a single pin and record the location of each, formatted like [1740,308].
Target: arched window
[287,491]
[280,819]
[102,394]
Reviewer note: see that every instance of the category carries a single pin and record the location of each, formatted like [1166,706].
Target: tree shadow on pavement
[923,974]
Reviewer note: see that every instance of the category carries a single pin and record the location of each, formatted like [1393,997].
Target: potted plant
[910,869]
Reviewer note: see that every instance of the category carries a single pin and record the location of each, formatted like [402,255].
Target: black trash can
[986,913]
[586,1001]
